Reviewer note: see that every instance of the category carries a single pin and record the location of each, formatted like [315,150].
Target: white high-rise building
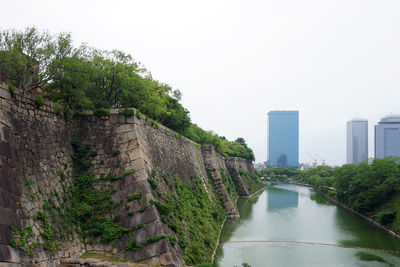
[387,137]
[357,141]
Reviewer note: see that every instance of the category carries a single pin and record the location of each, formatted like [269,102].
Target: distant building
[283,139]
[261,165]
[357,140]
[387,137]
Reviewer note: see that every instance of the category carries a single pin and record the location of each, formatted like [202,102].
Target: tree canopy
[367,187]
[83,77]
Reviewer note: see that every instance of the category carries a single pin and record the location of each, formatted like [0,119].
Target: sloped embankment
[119,185]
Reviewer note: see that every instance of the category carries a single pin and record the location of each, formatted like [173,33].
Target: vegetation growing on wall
[82,78]
[252,182]
[371,188]
[193,217]
[90,204]
[230,185]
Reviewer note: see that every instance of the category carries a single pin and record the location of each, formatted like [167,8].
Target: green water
[286,212]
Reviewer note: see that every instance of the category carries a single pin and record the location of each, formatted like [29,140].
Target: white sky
[234,60]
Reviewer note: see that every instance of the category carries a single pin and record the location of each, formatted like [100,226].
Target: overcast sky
[234,60]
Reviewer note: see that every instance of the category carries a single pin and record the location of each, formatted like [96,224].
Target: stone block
[132,119]
[125,128]
[137,164]
[9,217]
[5,105]
[154,261]
[5,234]
[5,94]
[125,137]
[135,154]
[130,145]
[8,254]
[9,264]
[140,175]
[166,259]
[4,118]
[117,119]
[147,216]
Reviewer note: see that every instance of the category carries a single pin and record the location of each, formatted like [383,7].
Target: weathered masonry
[36,172]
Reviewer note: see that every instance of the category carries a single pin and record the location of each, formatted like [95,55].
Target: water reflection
[298,213]
[320,199]
[279,198]
[362,233]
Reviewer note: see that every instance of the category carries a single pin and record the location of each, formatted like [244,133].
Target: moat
[299,227]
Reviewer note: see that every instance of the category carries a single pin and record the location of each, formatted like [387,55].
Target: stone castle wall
[34,149]
[36,165]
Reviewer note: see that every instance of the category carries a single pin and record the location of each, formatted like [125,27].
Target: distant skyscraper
[283,139]
[387,137]
[357,140]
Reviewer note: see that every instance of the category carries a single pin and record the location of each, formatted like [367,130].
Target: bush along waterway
[294,225]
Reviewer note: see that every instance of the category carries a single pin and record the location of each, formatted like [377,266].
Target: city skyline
[235,60]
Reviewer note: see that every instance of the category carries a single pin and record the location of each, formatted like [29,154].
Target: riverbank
[258,191]
[369,219]
[393,233]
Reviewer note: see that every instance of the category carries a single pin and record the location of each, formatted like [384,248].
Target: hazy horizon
[235,60]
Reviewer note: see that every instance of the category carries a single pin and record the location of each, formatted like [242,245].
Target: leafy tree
[25,56]
[86,78]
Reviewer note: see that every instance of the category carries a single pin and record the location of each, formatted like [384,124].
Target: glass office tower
[357,141]
[387,137]
[283,139]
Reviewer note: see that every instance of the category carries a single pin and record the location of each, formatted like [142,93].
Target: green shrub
[132,244]
[62,176]
[38,102]
[138,195]
[107,229]
[11,89]
[152,183]
[50,246]
[111,177]
[93,153]
[21,237]
[66,113]
[102,112]
[138,114]
[128,112]
[177,136]
[130,213]
[30,182]
[385,216]
[115,152]
[128,172]
[58,109]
